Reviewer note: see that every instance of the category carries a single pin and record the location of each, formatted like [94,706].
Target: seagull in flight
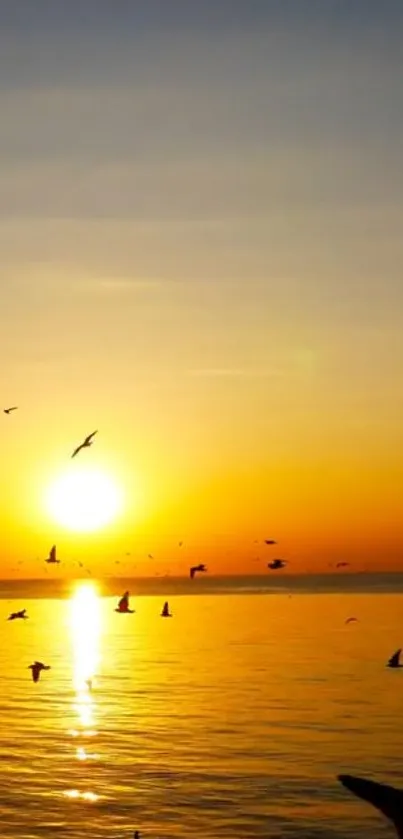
[342,564]
[15,615]
[87,442]
[394,660]
[123,605]
[37,668]
[350,620]
[195,568]
[270,542]
[52,556]
[387,799]
[8,410]
[276,563]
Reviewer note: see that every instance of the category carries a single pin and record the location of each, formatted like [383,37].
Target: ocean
[232,719]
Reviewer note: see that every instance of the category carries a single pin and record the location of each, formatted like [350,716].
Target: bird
[276,563]
[123,605]
[350,620]
[394,660]
[15,615]
[270,542]
[195,568]
[87,442]
[37,668]
[52,556]
[165,611]
[342,564]
[8,410]
[385,798]
[180,544]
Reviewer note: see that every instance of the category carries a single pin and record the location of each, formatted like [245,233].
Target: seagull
[15,615]
[123,605]
[350,620]
[37,668]
[387,799]
[394,660]
[195,568]
[342,564]
[165,611]
[276,563]
[87,442]
[270,542]
[8,410]
[52,556]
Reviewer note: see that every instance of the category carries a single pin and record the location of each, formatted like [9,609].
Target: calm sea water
[232,719]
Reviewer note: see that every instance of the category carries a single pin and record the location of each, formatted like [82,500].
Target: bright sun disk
[84,499]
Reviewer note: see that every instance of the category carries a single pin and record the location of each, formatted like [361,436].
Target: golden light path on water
[85,626]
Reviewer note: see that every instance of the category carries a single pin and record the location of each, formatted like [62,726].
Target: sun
[84,499]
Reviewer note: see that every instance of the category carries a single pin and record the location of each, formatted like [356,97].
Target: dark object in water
[388,800]
[165,611]
[394,660]
[123,605]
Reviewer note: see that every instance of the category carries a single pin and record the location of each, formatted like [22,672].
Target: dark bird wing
[388,800]
[192,572]
[394,659]
[89,438]
[78,449]
[270,542]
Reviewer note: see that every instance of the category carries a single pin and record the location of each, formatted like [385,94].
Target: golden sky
[201,257]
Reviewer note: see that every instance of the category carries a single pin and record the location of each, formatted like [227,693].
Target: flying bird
[276,563]
[342,564]
[394,660]
[37,668]
[193,570]
[350,620]
[52,556]
[87,442]
[15,615]
[387,799]
[8,410]
[270,542]
[123,605]
[165,611]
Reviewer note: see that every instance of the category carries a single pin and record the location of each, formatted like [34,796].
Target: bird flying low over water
[87,442]
[342,564]
[123,605]
[195,568]
[276,563]
[394,660]
[351,620]
[270,542]
[388,800]
[165,611]
[15,615]
[52,556]
[37,668]
[8,410]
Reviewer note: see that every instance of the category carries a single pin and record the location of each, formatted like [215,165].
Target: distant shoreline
[348,583]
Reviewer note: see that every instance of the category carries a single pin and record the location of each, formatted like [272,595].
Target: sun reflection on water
[85,624]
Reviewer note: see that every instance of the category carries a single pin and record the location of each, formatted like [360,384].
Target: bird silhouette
[270,542]
[351,620]
[394,660]
[165,611]
[387,799]
[36,669]
[18,615]
[87,442]
[52,556]
[195,568]
[276,563]
[8,410]
[123,605]
[342,564]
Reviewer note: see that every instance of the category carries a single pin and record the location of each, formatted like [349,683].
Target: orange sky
[202,259]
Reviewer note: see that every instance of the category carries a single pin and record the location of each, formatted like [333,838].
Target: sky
[201,257]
